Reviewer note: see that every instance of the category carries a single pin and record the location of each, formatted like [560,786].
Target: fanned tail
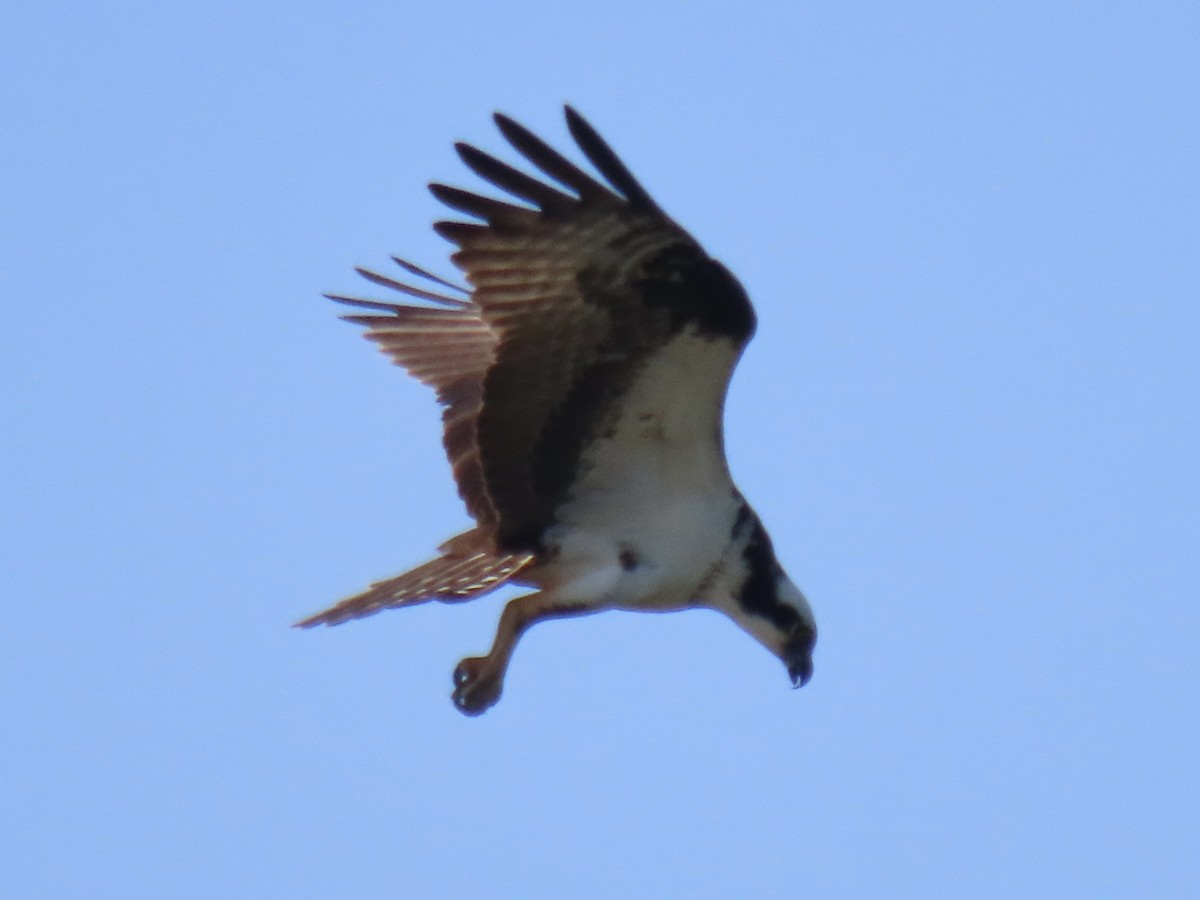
[452,578]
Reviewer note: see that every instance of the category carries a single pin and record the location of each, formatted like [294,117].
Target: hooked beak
[797,656]
[800,671]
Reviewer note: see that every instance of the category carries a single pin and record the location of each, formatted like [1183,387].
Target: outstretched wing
[449,348]
[580,291]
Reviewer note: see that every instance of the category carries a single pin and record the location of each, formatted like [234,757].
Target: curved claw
[467,670]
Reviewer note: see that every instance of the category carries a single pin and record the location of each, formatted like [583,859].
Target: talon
[475,691]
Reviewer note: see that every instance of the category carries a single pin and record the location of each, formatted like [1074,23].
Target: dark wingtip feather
[550,161]
[494,212]
[371,321]
[414,269]
[410,290]
[601,155]
[517,183]
[360,303]
[459,232]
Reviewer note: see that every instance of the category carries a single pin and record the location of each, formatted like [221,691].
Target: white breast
[653,508]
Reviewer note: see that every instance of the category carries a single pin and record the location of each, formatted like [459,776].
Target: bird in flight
[583,377]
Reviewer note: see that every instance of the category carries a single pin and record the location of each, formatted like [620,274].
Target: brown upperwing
[560,286]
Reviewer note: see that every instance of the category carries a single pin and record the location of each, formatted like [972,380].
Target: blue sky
[969,420]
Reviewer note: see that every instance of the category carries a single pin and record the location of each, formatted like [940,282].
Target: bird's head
[800,636]
[766,603]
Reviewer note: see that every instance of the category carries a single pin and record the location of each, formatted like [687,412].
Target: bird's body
[584,379]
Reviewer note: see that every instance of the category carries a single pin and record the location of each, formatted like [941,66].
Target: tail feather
[448,578]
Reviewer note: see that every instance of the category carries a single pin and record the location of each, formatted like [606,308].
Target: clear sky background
[972,232]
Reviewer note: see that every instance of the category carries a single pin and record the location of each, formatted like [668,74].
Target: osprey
[583,377]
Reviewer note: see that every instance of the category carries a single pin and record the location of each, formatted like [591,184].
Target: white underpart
[655,484]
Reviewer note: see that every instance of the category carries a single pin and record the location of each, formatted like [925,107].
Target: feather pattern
[467,571]
[449,350]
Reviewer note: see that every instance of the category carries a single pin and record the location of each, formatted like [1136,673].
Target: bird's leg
[478,680]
